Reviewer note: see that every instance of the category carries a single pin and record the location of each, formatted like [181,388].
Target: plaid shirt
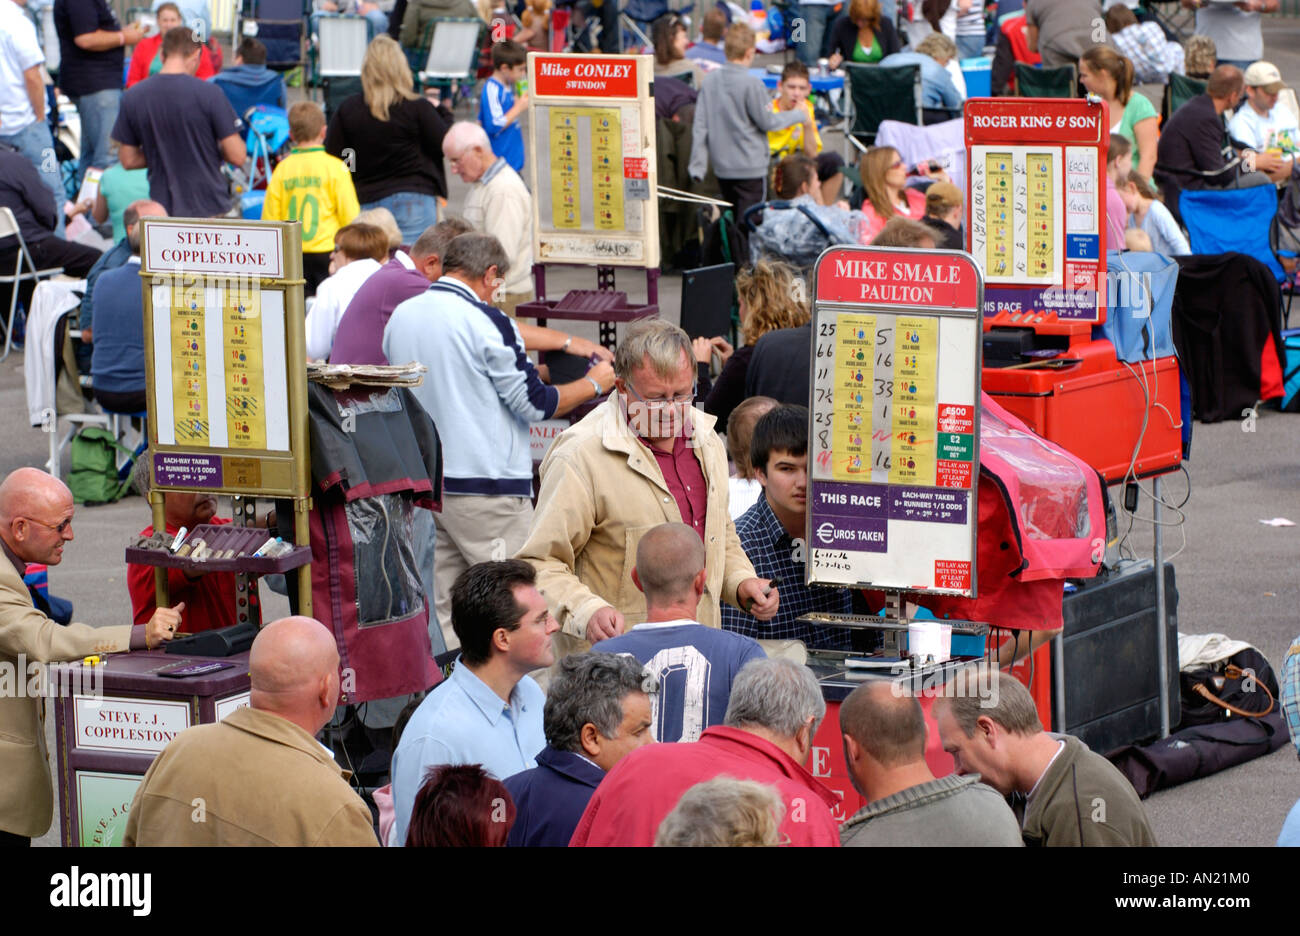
[1146,47]
[771,549]
[1290,694]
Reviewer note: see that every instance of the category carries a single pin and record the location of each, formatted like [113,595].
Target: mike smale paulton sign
[914,278]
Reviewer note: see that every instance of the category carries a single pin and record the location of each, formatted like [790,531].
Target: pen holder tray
[241,542]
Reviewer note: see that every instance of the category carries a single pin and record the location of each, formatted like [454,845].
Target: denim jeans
[970,46]
[414,212]
[98,113]
[816,17]
[35,142]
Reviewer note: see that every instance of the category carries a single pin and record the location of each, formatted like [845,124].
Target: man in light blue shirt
[932,54]
[489,711]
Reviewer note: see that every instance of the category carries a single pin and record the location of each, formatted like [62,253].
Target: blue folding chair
[1226,220]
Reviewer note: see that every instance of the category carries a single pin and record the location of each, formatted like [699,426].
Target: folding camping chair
[1060,82]
[877,94]
[450,51]
[339,47]
[1234,220]
[281,26]
[1284,241]
[1178,92]
[24,271]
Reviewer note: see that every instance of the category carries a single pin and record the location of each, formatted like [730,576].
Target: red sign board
[1033,120]
[952,573]
[636,167]
[926,279]
[597,76]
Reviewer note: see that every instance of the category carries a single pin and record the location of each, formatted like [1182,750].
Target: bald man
[35,523]
[884,747]
[259,777]
[695,665]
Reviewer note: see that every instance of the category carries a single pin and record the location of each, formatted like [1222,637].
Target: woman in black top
[391,138]
[863,36]
[769,299]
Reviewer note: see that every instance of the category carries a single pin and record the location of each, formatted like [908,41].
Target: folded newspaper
[342,376]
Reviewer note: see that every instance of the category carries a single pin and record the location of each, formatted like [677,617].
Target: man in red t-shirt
[773,713]
[210,597]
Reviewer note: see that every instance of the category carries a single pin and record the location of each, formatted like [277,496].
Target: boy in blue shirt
[498,109]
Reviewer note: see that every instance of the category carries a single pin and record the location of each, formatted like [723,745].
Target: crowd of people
[651,588]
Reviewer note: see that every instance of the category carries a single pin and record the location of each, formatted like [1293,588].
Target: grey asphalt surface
[1235,575]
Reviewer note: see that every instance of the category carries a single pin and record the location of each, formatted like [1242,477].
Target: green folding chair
[877,94]
[1178,92]
[1034,82]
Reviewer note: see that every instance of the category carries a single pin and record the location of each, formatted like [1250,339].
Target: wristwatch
[599,392]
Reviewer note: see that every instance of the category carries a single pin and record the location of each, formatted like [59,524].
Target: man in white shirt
[1236,28]
[498,204]
[1262,123]
[22,99]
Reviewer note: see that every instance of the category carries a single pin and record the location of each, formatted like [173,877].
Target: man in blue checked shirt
[771,533]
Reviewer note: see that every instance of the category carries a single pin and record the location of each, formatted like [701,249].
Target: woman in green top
[1109,75]
[863,36]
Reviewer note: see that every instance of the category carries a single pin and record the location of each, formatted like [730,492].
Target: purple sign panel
[852,517]
[171,469]
[1067,304]
[931,505]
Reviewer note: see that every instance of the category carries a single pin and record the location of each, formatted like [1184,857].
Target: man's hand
[603,374]
[757,598]
[584,347]
[605,623]
[703,349]
[162,626]
[132,34]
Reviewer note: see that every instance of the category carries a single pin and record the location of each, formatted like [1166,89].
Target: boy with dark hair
[732,120]
[311,186]
[498,109]
[771,533]
[249,82]
[489,710]
[793,95]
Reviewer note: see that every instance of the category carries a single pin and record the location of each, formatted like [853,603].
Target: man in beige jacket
[259,777]
[644,457]
[35,521]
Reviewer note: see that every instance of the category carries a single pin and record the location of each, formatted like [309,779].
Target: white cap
[1264,75]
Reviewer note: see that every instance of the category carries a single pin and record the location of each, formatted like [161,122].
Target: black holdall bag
[1241,686]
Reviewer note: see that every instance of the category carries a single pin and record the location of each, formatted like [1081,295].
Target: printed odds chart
[894,419]
[1017,210]
[602,176]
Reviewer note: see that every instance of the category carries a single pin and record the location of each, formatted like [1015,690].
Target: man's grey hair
[475,254]
[724,812]
[589,688]
[779,695]
[668,558]
[438,237]
[660,344]
[466,134]
[989,691]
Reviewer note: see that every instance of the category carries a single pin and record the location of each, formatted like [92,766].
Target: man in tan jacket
[644,457]
[35,521]
[259,777]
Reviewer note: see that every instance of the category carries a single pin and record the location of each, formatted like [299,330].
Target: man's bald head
[143,208]
[32,502]
[1226,83]
[293,668]
[886,724]
[668,559]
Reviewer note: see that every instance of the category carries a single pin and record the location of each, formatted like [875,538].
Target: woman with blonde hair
[391,139]
[884,177]
[1109,75]
[771,297]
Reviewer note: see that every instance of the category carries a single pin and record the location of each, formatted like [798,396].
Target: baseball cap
[1264,75]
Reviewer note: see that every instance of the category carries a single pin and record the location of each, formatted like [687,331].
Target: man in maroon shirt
[773,713]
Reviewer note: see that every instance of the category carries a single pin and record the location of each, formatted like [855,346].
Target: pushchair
[798,241]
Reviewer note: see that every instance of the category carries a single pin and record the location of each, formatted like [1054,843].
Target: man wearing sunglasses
[644,457]
[35,523]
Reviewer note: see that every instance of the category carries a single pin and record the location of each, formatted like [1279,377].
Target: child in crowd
[792,95]
[1137,239]
[732,120]
[498,109]
[1119,163]
[743,486]
[943,214]
[359,251]
[1148,214]
[313,187]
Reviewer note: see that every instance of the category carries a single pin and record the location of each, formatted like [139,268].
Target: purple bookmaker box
[114,718]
